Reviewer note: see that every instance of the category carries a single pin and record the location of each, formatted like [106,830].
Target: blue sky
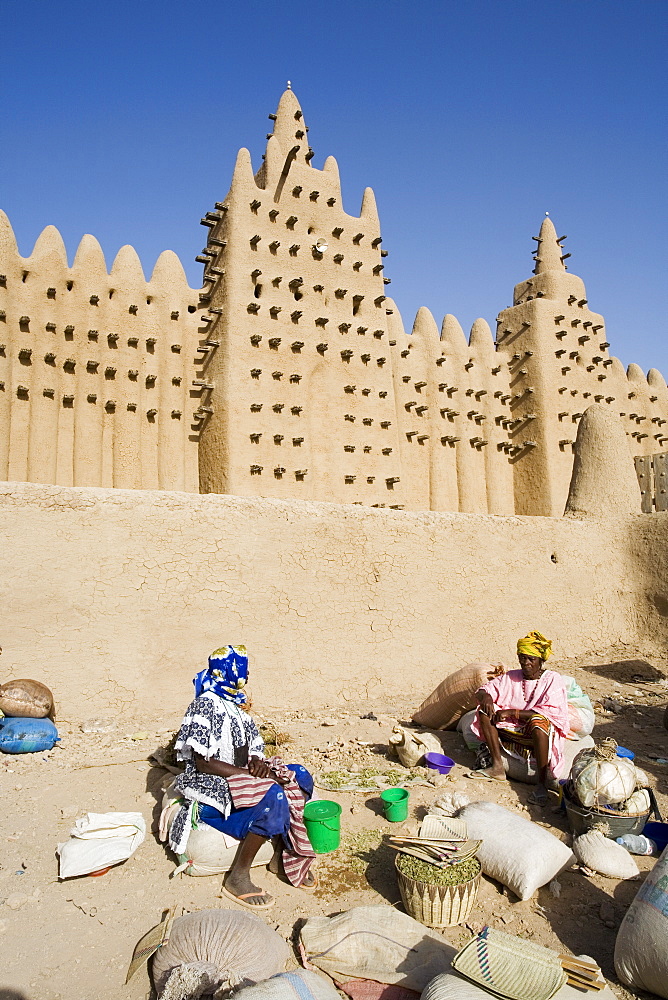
[469,119]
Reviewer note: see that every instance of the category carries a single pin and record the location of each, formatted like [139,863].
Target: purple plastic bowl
[439,762]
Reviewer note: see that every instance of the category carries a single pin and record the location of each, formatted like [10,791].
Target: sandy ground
[74,940]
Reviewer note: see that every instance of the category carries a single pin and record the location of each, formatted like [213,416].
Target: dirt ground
[73,940]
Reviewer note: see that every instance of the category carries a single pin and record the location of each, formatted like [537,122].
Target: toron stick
[574,960]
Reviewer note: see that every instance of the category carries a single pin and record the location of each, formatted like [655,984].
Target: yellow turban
[535,644]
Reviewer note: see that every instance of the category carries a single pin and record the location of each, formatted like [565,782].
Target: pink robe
[547,696]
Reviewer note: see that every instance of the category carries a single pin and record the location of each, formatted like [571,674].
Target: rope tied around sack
[603,828]
[605,750]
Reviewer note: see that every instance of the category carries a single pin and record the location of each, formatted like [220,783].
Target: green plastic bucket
[322,819]
[395,804]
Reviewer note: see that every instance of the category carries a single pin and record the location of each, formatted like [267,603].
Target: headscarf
[226,674]
[535,644]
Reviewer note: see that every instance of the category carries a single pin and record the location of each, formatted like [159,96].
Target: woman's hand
[506,713]
[486,704]
[260,768]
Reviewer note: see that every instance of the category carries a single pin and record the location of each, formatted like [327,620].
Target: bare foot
[309,882]
[494,773]
[239,884]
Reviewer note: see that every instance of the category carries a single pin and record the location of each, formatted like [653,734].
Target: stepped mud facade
[289,374]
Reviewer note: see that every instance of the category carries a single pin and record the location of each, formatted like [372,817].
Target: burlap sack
[26,699]
[378,943]
[641,955]
[455,695]
[239,945]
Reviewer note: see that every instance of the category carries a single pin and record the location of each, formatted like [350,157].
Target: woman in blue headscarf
[221,747]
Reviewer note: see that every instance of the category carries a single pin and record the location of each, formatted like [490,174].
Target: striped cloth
[247,791]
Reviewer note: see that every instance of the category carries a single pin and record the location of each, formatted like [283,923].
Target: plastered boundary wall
[114,598]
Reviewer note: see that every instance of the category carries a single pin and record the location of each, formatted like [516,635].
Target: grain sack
[515,851]
[27,735]
[580,708]
[601,778]
[594,850]
[99,840]
[455,695]
[208,851]
[298,985]
[641,954]
[26,699]
[411,747]
[638,803]
[450,986]
[376,942]
[232,948]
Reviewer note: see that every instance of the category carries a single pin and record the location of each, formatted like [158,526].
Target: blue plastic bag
[27,735]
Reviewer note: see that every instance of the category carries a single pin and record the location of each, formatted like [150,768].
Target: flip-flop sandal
[538,800]
[241,900]
[312,886]
[482,775]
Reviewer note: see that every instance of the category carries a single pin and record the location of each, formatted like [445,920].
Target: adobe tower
[301,398]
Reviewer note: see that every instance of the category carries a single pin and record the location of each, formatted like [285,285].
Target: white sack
[639,802]
[594,850]
[450,986]
[208,851]
[514,851]
[298,985]
[376,942]
[100,840]
[233,946]
[602,782]
[212,852]
[641,949]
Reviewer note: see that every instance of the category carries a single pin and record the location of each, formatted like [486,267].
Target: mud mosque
[290,375]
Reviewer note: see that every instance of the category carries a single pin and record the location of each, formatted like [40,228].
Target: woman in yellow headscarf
[525,711]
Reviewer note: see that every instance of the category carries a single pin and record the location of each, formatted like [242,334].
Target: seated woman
[525,712]
[229,784]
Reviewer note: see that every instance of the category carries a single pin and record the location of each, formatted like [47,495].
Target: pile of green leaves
[422,871]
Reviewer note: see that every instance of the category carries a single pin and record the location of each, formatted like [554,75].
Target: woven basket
[510,966]
[437,905]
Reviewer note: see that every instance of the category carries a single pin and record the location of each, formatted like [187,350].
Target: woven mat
[435,827]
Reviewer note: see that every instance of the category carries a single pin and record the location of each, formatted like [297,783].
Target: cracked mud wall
[115,598]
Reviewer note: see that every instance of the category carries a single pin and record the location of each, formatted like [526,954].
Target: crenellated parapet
[96,367]
[290,374]
[452,410]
